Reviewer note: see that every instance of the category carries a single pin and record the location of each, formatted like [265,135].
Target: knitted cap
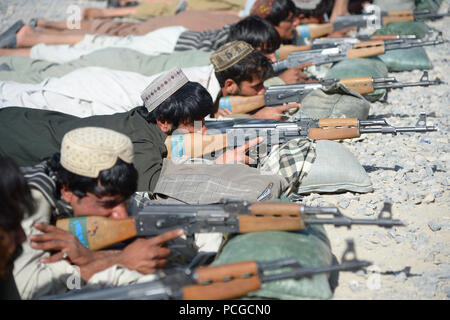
[89,150]
[229,54]
[163,87]
[262,8]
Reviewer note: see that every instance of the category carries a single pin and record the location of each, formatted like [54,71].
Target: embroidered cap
[306,4]
[229,54]
[262,8]
[163,87]
[89,150]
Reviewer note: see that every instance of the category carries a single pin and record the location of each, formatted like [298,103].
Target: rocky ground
[411,262]
[410,170]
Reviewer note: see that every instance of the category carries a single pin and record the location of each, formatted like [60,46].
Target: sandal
[8,38]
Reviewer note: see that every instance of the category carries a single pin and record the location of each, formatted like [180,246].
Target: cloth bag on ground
[388,5]
[360,67]
[337,101]
[417,28]
[316,166]
[310,247]
[430,5]
[406,60]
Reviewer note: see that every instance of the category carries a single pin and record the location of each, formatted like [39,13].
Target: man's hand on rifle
[274,113]
[238,155]
[63,243]
[295,75]
[148,255]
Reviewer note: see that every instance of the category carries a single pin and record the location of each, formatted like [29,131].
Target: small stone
[354,285]
[434,226]
[429,198]
[344,203]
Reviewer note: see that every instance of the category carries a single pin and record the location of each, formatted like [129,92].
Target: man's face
[286,28]
[114,207]
[250,88]
[187,126]
[10,248]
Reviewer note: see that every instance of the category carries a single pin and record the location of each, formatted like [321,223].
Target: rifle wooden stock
[101,232]
[286,50]
[319,30]
[333,133]
[269,223]
[240,104]
[194,144]
[222,290]
[365,52]
[361,85]
[338,122]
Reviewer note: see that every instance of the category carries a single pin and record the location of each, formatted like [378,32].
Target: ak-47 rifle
[228,217]
[282,94]
[219,282]
[342,43]
[324,43]
[236,132]
[410,15]
[371,18]
[330,55]
[277,132]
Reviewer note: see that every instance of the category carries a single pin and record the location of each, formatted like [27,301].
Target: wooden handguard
[338,122]
[388,19]
[361,85]
[286,50]
[333,133]
[400,13]
[365,52]
[99,232]
[269,223]
[318,30]
[219,273]
[197,144]
[222,290]
[275,208]
[369,43]
[384,37]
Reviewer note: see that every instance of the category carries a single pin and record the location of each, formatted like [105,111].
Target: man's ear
[66,194]
[164,125]
[230,87]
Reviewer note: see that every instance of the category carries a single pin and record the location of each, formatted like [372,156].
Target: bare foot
[92,13]
[41,23]
[25,36]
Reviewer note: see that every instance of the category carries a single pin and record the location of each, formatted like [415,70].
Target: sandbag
[417,28]
[388,5]
[335,169]
[335,102]
[310,247]
[360,67]
[406,60]
[430,5]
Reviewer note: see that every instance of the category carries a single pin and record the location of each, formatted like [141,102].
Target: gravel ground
[411,262]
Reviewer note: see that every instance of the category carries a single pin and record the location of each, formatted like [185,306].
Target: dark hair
[257,32]
[15,195]
[189,103]
[280,11]
[325,6]
[253,64]
[121,179]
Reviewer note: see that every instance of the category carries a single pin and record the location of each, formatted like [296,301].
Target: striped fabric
[208,40]
[41,178]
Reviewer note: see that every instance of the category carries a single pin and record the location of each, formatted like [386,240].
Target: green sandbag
[310,247]
[337,101]
[430,5]
[417,28]
[360,67]
[406,60]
